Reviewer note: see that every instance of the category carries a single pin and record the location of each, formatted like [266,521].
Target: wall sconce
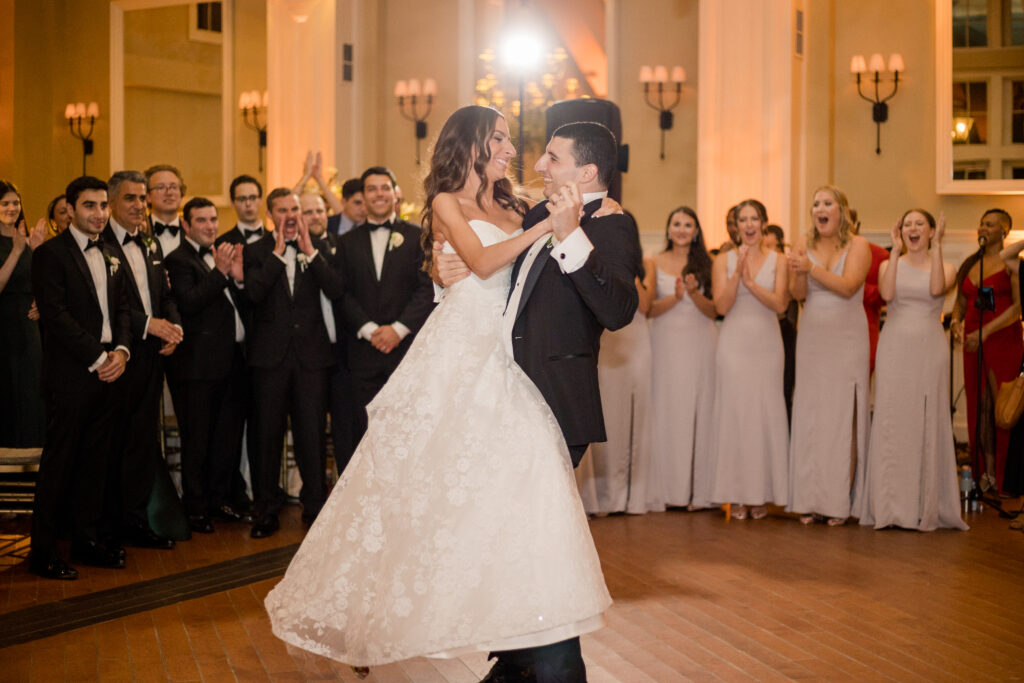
[962,126]
[250,102]
[659,76]
[74,113]
[879,108]
[410,90]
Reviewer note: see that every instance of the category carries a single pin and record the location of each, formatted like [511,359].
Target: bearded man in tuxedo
[387,297]
[85,322]
[564,293]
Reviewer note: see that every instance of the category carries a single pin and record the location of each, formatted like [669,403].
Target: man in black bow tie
[387,297]
[85,322]
[156,328]
[165,189]
[211,366]
[246,195]
[289,355]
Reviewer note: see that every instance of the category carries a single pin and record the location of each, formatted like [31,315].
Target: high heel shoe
[739,511]
[759,512]
[807,520]
[836,521]
[361,672]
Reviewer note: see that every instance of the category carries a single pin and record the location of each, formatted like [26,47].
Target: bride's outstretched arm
[450,222]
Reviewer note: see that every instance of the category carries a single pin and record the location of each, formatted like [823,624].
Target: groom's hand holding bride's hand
[564,209]
[448,268]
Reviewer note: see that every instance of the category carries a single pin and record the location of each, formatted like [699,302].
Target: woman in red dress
[1000,341]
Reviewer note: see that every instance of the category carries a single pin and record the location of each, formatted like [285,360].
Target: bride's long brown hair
[466,131]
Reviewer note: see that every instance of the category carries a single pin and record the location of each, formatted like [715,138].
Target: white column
[744,131]
[301,77]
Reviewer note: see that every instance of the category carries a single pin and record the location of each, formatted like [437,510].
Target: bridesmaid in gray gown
[828,438]
[749,439]
[911,473]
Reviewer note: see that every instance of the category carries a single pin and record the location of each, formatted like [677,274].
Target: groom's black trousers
[560,662]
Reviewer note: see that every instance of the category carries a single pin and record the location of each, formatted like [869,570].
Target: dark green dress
[22,416]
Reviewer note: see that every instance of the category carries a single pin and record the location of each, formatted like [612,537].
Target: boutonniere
[113,263]
[334,250]
[302,261]
[150,243]
[396,240]
[552,242]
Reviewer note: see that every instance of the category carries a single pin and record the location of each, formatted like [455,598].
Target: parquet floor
[696,598]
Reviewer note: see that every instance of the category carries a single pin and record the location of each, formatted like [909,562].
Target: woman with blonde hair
[829,433]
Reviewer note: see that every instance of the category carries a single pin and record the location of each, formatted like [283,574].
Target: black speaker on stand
[604,112]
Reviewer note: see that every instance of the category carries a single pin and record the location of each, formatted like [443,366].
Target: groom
[564,293]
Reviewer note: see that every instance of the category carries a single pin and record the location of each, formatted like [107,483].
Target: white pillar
[301,76]
[744,120]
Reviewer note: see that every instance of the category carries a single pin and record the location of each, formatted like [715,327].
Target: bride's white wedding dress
[456,526]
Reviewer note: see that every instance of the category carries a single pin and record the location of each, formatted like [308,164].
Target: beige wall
[903,176]
[657,32]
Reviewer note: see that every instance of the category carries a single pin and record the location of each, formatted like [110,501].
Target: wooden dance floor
[696,598]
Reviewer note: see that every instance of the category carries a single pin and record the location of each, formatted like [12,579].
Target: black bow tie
[93,243]
[137,238]
[386,224]
[203,251]
[294,244]
[160,228]
[246,234]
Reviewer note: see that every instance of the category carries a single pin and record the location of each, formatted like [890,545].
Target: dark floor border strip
[52,618]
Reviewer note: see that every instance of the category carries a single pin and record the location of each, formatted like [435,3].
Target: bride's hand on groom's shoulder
[609,207]
[448,268]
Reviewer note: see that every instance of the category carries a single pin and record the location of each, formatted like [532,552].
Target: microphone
[982,240]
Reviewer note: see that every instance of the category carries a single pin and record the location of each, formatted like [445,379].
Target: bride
[456,526]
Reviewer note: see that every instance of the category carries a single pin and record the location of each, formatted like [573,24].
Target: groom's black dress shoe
[264,527]
[52,568]
[504,672]
[94,554]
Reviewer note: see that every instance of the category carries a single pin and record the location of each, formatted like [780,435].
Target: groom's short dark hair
[592,143]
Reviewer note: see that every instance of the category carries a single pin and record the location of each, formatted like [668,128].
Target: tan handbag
[1010,402]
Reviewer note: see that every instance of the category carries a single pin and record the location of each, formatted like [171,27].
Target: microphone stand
[985,301]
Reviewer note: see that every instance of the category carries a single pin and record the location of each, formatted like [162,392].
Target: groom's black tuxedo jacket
[283,319]
[207,316]
[70,317]
[557,330]
[404,293]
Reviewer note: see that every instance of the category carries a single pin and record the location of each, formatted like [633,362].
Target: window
[1013,169]
[970,170]
[1017,112]
[970,112]
[970,23]
[1014,23]
[208,16]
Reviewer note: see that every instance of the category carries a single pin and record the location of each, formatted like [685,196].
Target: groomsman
[289,354]
[314,211]
[246,194]
[387,296]
[353,210]
[81,294]
[156,332]
[211,366]
[165,189]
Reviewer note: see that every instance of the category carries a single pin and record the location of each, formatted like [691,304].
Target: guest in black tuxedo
[353,211]
[211,365]
[156,332]
[564,294]
[387,297]
[246,194]
[165,190]
[339,389]
[289,354]
[85,323]
[246,197]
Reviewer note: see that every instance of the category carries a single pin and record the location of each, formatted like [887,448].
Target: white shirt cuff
[145,329]
[401,329]
[367,330]
[438,293]
[99,361]
[572,252]
[127,353]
